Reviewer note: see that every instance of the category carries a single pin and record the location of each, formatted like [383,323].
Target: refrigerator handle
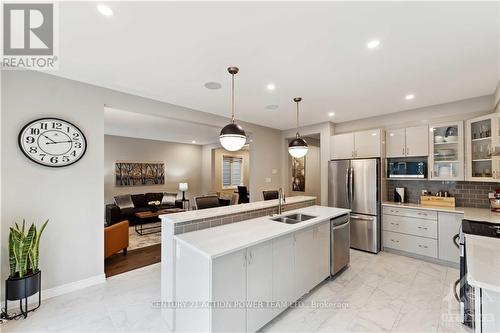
[351,183]
[347,185]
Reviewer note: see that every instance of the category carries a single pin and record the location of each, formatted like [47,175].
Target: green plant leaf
[26,244]
[12,255]
[35,251]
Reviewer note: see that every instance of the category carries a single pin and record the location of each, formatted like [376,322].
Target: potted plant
[25,276]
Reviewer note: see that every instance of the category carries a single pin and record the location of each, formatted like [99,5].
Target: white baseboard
[62,289]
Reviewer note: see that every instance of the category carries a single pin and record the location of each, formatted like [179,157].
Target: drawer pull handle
[423,246]
[422,228]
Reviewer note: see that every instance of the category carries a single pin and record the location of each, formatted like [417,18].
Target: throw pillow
[124,201]
[168,198]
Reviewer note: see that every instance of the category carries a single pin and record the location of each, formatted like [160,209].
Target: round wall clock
[52,142]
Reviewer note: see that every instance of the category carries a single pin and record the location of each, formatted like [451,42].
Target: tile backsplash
[467,194]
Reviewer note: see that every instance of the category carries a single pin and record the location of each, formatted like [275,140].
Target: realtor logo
[29,36]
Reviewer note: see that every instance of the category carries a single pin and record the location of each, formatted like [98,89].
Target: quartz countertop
[217,241]
[475,214]
[226,210]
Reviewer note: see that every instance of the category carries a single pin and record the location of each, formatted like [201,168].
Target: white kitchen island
[237,277]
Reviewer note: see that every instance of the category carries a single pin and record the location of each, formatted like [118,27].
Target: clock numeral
[78,145]
[33,150]
[43,126]
[54,159]
[65,158]
[57,125]
[30,139]
[73,153]
[35,131]
[76,136]
[42,156]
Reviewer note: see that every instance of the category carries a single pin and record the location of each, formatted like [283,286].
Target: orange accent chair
[116,238]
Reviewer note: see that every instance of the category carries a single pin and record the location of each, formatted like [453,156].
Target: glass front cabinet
[482,136]
[446,154]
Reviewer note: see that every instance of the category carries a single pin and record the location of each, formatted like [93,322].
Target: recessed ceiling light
[409,97]
[194,141]
[272,107]
[331,114]
[373,44]
[104,10]
[213,85]
[270,86]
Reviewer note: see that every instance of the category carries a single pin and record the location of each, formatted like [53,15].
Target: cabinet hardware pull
[407,151]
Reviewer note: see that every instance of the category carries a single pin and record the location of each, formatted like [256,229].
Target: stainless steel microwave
[407,169]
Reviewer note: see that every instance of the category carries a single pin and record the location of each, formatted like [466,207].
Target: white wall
[182,164]
[72,197]
[313,171]
[325,131]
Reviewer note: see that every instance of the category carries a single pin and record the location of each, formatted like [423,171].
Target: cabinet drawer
[408,212]
[411,225]
[414,244]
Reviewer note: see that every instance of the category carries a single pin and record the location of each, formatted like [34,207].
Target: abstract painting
[299,174]
[139,173]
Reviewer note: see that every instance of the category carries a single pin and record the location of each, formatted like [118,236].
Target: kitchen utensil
[495,202]
[451,138]
[399,194]
[451,131]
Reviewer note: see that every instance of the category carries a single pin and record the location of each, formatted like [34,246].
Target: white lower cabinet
[283,272]
[424,232]
[414,244]
[229,282]
[281,269]
[259,285]
[449,226]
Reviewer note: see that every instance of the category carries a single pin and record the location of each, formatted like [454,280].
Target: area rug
[137,241]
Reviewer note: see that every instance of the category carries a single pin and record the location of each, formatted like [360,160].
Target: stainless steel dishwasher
[340,242]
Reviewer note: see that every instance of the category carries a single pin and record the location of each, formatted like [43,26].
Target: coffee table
[144,216]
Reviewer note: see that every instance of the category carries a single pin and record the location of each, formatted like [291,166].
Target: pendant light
[232,137]
[298,146]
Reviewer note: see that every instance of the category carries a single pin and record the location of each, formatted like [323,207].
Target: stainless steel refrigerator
[355,184]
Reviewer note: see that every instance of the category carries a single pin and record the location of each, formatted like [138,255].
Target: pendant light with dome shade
[232,137]
[298,146]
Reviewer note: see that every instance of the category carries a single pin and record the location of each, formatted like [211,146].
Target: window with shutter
[232,171]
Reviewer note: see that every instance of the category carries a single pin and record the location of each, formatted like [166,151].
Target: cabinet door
[480,146]
[446,151]
[304,265]
[395,144]
[283,271]
[229,285]
[342,146]
[448,227]
[322,256]
[367,143]
[417,141]
[259,285]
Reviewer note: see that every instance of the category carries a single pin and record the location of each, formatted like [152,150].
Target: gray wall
[72,197]
[182,164]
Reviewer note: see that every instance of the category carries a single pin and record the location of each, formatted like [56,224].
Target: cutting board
[433,201]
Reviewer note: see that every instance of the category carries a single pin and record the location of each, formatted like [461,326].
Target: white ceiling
[138,125]
[439,51]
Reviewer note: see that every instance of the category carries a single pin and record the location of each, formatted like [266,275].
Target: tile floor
[380,293]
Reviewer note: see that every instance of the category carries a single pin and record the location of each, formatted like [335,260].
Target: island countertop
[228,210]
[218,241]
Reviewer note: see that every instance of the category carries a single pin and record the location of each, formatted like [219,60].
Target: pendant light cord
[298,120]
[232,98]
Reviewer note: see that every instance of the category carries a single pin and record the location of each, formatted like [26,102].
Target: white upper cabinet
[410,141]
[367,143]
[482,137]
[417,141]
[395,143]
[360,144]
[342,146]
[446,151]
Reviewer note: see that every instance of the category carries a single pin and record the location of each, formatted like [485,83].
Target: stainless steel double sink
[293,218]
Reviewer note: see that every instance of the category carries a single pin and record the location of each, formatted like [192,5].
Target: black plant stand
[19,289]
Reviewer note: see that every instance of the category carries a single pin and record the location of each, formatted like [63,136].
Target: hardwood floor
[118,263]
